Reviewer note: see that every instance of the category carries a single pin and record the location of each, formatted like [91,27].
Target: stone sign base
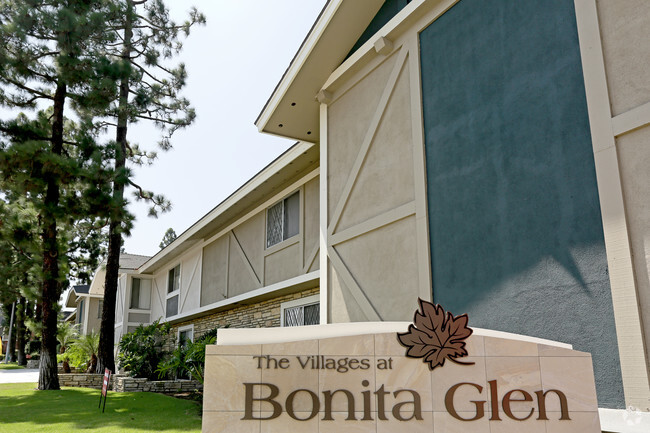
[318,379]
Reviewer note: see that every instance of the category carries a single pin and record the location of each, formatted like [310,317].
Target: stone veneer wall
[265,314]
[137,384]
[123,383]
[84,380]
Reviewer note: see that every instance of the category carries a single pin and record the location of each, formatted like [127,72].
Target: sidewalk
[19,376]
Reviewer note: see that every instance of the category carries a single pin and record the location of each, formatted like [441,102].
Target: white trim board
[245,336]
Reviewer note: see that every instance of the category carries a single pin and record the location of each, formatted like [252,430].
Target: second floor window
[283,220]
[140,294]
[173,286]
[174,280]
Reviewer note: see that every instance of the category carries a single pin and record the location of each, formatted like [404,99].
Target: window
[140,294]
[100,307]
[80,312]
[305,311]
[174,281]
[173,286]
[185,334]
[283,220]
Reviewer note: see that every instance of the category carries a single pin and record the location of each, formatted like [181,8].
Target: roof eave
[242,196]
[292,110]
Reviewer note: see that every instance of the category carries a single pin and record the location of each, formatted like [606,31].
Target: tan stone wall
[264,314]
[136,384]
[84,380]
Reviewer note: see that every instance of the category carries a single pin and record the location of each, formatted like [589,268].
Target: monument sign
[435,375]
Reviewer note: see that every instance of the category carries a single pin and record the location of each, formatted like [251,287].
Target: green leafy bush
[142,350]
[188,359]
[81,350]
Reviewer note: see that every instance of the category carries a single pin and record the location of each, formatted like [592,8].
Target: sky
[234,63]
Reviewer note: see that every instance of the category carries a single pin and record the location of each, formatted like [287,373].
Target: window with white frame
[100,308]
[173,289]
[185,334]
[283,220]
[140,294]
[300,312]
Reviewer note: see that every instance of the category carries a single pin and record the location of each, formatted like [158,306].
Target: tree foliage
[76,68]
[52,53]
[168,238]
[149,91]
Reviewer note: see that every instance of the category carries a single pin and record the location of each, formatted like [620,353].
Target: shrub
[141,350]
[188,359]
[80,352]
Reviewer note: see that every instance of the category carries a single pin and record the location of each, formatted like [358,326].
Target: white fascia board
[89,295]
[245,336]
[269,171]
[247,297]
[297,63]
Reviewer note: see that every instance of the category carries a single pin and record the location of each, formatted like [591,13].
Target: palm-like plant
[82,351]
[88,344]
[66,334]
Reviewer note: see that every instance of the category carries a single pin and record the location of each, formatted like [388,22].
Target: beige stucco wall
[190,286]
[238,261]
[97,284]
[373,166]
[625,30]
[94,316]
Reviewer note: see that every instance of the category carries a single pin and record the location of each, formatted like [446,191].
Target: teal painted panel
[515,225]
[388,10]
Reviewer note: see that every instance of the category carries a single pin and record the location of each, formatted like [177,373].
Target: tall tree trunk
[106,354]
[20,332]
[48,377]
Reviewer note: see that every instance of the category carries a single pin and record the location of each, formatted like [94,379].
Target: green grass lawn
[11,366]
[23,409]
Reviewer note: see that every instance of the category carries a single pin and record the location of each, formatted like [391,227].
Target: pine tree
[18,269]
[150,92]
[52,52]
[168,238]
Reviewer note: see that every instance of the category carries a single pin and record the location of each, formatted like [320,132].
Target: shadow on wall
[515,225]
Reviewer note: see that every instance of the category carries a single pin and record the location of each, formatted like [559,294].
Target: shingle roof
[83,288]
[132,261]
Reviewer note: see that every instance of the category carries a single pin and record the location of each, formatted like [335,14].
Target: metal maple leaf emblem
[436,336]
